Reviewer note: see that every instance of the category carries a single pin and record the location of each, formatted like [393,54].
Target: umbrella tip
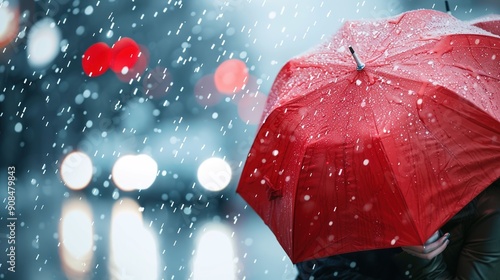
[360,64]
[447,6]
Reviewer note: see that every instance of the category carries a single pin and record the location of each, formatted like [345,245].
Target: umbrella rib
[384,153]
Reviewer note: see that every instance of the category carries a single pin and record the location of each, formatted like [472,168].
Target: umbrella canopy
[489,23]
[356,158]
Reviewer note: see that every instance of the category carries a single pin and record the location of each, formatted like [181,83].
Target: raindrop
[80,30]
[18,127]
[124,70]
[248,241]
[368,207]
[89,10]
[115,194]
[365,162]
[394,240]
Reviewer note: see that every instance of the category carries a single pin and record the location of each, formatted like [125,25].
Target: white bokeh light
[134,172]
[214,257]
[134,250]
[43,44]
[214,174]
[76,170]
[76,235]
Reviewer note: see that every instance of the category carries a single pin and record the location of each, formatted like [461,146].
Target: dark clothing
[473,252]
[367,265]
[474,249]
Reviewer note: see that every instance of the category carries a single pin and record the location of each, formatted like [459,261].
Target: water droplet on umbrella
[394,240]
[367,207]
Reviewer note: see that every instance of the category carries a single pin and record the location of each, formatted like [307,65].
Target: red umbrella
[489,23]
[382,155]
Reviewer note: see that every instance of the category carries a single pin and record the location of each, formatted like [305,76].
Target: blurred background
[130,172]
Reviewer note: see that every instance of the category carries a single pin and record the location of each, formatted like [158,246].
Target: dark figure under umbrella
[469,250]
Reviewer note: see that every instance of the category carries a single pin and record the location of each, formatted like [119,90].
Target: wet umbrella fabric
[348,160]
[489,23]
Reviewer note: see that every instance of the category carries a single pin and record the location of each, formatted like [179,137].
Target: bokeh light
[231,76]
[65,127]
[43,43]
[96,59]
[9,22]
[127,75]
[250,107]
[214,258]
[76,235]
[126,53]
[214,174]
[206,92]
[157,82]
[134,172]
[133,249]
[76,170]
